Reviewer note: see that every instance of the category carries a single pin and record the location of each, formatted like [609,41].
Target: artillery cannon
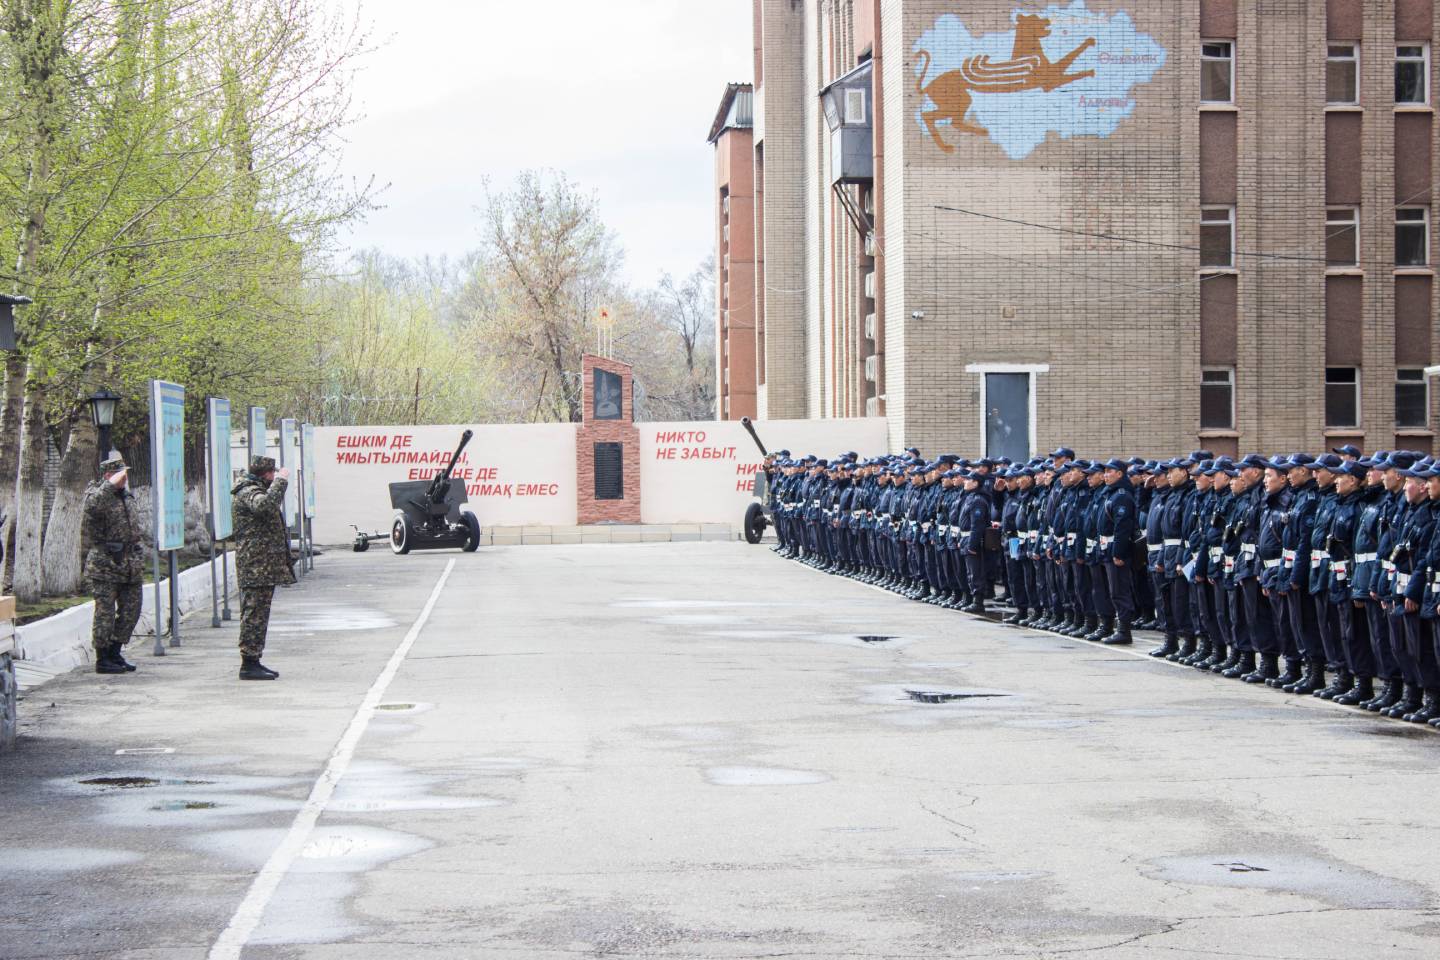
[428,514]
[757,515]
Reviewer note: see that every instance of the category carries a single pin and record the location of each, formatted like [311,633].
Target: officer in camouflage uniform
[262,558]
[114,565]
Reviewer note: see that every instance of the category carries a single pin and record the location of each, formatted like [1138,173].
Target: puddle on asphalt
[1327,880]
[928,696]
[383,787]
[173,805]
[140,783]
[64,859]
[312,617]
[763,777]
[874,638]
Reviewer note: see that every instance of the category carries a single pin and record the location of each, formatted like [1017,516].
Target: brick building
[1130,225]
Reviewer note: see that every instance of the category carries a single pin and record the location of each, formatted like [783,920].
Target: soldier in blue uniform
[1404,589]
[1349,614]
[1115,520]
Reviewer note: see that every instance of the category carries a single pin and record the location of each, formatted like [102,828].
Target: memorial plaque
[609,471]
[608,403]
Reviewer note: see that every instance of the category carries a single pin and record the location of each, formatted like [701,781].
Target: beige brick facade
[1079,259]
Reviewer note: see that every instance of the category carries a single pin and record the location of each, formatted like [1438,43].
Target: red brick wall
[622,431]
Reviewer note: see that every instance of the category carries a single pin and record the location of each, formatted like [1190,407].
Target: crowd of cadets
[1325,563]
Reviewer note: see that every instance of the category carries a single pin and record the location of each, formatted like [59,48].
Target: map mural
[1062,70]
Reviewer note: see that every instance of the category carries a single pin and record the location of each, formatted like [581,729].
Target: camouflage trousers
[117,610]
[254,619]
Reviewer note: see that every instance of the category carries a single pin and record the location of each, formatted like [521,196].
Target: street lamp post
[102,411]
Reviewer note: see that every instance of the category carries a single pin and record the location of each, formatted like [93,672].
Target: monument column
[607,455]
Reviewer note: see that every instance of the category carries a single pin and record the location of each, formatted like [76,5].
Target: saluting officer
[114,566]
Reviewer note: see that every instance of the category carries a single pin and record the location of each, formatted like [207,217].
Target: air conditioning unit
[869,326]
[872,368]
[725,233]
[869,204]
[725,204]
[870,284]
[870,245]
[872,407]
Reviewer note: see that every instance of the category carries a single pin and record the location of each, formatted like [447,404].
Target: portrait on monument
[607,403]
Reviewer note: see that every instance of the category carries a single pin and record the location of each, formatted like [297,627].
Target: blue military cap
[1355,469]
[1348,450]
[1115,463]
[1095,466]
[1136,461]
[1329,461]
[1139,470]
[1063,452]
[1279,462]
[1204,466]
[1399,460]
[1420,471]
[782,453]
[1254,460]
[1301,459]
[1198,455]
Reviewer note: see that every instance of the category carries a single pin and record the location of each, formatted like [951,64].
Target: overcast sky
[618,94]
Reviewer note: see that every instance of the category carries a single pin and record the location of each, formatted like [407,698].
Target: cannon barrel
[750,429]
[442,479]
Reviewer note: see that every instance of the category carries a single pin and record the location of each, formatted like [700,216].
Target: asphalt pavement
[696,750]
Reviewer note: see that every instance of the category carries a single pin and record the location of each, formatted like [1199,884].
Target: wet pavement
[696,750]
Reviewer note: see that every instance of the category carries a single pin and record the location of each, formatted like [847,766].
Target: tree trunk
[12,408]
[30,497]
[62,559]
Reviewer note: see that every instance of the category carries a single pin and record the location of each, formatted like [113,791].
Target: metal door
[1007,416]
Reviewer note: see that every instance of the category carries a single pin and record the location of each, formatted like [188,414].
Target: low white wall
[63,641]
[524,474]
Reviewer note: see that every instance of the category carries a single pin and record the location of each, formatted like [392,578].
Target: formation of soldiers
[1314,575]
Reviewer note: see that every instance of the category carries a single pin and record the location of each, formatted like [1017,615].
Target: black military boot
[975,607]
[1018,617]
[1268,669]
[1410,700]
[252,669]
[118,655]
[1291,676]
[1200,654]
[1244,665]
[1120,637]
[1387,698]
[1343,681]
[1429,709]
[1170,649]
[1363,690]
[1189,646]
[1084,624]
[1218,652]
[1314,679]
[1104,626]
[106,662]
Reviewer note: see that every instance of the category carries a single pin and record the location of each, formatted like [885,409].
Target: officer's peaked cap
[112,465]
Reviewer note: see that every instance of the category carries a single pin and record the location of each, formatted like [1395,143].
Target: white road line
[248,915]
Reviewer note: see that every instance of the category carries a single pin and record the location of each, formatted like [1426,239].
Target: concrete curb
[55,645]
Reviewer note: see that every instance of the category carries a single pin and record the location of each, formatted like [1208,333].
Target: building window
[1342,236]
[1412,74]
[1217,237]
[1342,396]
[1217,72]
[1412,398]
[1412,236]
[854,107]
[1342,73]
[1217,399]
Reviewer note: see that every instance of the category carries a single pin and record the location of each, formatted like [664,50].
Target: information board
[290,458]
[218,470]
[167,463]
[257,434]
[307,463]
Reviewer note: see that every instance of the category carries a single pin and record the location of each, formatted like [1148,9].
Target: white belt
[1248,549]
[1388,566]
[1154,547]
[1070,539]
[1366,557]
[1288,556]
[925,526]
[1173,543]
[1216,553]
[1341,569]
[1033,535]
[1317,557]
[1402,582]
[1106,541]
[1271,564]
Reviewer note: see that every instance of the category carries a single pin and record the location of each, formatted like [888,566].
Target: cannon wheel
[754,523]
[400,536]
[361,544]
[472,535]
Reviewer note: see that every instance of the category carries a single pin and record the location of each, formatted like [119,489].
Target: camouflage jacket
[262,544]
[112,536]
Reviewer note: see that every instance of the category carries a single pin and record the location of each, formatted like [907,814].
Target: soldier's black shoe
[1268,669]
[1201,654]
[1103,628]
[1169,650]
[1429,709]
[118,655]
[1188,645]
[1017,618]
[1343,681]
[106,663]
[1313,679]
[1409,702]
[1362,691]
[975,607]
[1389,696]
[1291,676]
[252,669]
[1244,665]
[1228,663]
[1120,637]
[1083,624]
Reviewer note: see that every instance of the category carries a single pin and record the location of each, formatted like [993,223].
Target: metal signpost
[167,483]
[307,495]
[290,458]
[218,479]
